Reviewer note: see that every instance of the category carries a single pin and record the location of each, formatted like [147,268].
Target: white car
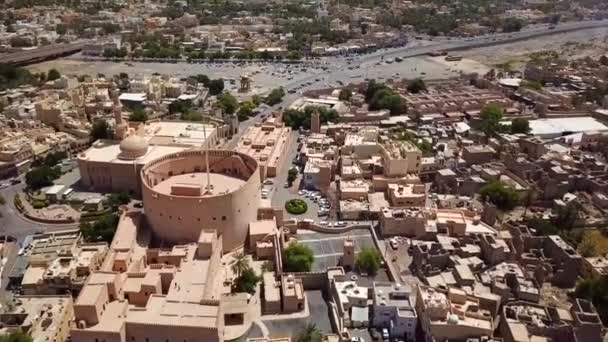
[301,192]
[385,335]
[340,224]
[394,244]
[323,223]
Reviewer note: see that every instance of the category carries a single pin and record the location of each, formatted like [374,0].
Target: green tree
[101,130]
[275,96]
[53,158]
[101,230]
[216,86]
[542,227]
[191,115]
[53,75]
[42,176]
[227,103]
[61,29]
[116,199]
[490,116]
[568,215]
[256,100]
[368,260]
[310,333]
[247,281]
[345,94]
[292,174]
[499,194]
[379,96]
[245,110]
[417,85]
[512,25]
[596,291]
[297,258]
[16,336]
[301,118]
[520,125]
[138,115]
[239,264]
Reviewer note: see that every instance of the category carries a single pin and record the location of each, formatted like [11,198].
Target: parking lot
[328,248]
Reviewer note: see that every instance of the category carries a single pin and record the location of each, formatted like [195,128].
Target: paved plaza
[327,248]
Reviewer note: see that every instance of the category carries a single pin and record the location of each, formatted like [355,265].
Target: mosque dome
[133,147]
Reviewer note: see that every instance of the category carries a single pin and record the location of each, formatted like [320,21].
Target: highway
[366,65]
[40,54]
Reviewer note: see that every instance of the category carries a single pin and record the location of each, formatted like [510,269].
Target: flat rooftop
[108,151]
[559,126]
[222,184]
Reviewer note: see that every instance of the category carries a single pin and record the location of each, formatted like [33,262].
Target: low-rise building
[394,310]
[452,316]
[44,318]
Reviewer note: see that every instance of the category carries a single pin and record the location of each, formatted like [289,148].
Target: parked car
[357,339]
[394,244]
[385,334]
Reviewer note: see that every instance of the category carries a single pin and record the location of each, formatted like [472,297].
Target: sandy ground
[571,45]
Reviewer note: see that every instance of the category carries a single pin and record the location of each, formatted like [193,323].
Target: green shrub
[296,206]
[368,260]
[297,258]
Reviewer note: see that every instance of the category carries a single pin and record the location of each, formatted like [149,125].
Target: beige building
[452,316]
[163,294]
[400,158]
[267,143]
[407,195]
[60,262]
[284,296]
[430,222]
[44,318]
[180,198]
[115,165]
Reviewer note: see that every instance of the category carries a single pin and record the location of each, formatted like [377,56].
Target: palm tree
[240,264]
[310,333]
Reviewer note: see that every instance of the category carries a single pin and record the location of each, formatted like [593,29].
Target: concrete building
[476,155]
[394,310]
[113,166]
[266,142]
[60,262]
[407,195]
[317,174]
[452,316]
[400,158]
[524,321]
[430,222]
[44,318]
[163,294]
[351,300]
[181,198]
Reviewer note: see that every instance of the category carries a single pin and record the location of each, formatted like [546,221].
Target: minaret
[209,187]
[315,122]
[121,128]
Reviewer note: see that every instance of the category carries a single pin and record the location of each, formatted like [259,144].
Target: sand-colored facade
[178,204]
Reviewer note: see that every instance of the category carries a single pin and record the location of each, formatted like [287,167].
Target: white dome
[133,147]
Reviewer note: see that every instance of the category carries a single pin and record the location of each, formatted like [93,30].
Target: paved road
[14,224]
[366,65]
